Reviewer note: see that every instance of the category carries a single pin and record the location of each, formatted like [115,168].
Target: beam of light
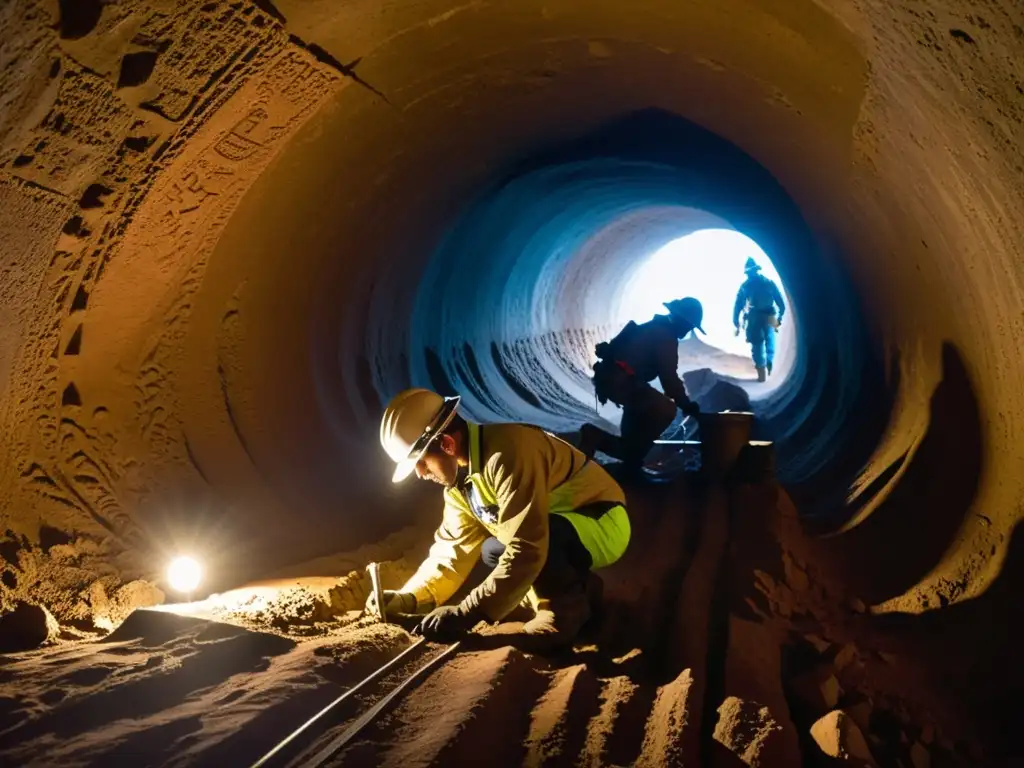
[708,265]
[184,574]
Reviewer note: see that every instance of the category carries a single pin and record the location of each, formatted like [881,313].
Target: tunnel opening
[708,264]
[559,250]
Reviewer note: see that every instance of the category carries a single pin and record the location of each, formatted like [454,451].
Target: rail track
[321,739]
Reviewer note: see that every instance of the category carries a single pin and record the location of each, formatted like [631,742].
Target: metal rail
[338,743]
[265,760]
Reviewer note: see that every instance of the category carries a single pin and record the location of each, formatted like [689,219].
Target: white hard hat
[411,422]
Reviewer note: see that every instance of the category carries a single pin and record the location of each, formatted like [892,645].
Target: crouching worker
[534,509]
[638,355]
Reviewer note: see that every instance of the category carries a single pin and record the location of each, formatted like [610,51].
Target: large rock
[751,733]
[753,672]
[26,627]
[839,737]
[103,612]
[131,596]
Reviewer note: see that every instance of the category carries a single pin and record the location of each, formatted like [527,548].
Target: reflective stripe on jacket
[518,476]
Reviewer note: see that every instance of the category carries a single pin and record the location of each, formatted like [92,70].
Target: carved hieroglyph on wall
[189,206]
[162,224]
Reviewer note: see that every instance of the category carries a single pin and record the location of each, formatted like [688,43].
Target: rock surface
[27,627]
[750,732]
[839,737]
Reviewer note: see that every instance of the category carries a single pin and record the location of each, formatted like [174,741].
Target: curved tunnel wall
[262,215]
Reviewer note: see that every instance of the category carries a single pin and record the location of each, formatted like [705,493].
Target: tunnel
[232,231]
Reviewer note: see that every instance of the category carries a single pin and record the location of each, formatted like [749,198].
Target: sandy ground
[706,648]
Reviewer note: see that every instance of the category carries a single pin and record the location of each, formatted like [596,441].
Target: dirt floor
[721,642]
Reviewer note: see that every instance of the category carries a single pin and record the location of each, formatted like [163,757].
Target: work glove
[448,623]
[737,330]
[690,409]
[394,603]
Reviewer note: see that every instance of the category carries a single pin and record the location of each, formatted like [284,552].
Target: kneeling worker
[529,505]
[638,355]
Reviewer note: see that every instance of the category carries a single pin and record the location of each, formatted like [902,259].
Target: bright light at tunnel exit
[184,574]
[708,265]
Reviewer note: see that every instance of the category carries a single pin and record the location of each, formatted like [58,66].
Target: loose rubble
[748,730]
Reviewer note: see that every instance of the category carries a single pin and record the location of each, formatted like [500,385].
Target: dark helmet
[751,266]
[688,310]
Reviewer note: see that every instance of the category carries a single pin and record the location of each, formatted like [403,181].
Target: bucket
[722,437]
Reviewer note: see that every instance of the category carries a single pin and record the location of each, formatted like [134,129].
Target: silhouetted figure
[757,300]
[638,355]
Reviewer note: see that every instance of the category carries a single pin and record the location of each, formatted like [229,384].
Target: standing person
[638,355]
[757,299]
[536,511]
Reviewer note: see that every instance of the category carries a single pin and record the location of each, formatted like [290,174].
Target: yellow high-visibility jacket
[518,476]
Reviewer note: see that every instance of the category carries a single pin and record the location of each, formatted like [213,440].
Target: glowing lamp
[184,574]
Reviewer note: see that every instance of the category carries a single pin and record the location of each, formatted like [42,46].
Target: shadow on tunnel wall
[910,532]
[974,645]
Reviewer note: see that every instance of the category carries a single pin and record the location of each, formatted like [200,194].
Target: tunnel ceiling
[208,204]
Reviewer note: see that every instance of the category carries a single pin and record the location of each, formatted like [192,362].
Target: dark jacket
[650,350]
[761,294]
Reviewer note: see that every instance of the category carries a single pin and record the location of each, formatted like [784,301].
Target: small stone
[888,658]
[919,756]
[839,737]
[820,645]
[858,605]
[26,627]
[750,732]
[846,656]
[65,553]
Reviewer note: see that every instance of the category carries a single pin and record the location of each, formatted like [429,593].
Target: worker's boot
[769,369]
[525,611]
[761,374]
[561,616]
